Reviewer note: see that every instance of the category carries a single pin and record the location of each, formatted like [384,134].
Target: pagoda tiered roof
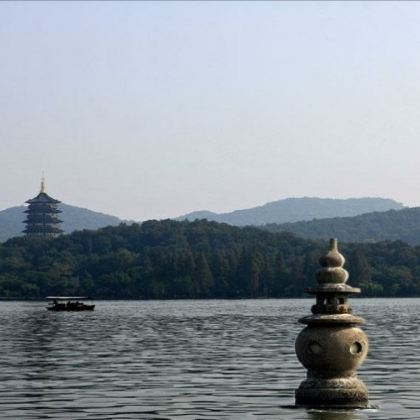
[41,219]
[41,230]
[42,198]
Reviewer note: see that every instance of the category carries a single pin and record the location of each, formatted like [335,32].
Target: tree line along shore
[179,259]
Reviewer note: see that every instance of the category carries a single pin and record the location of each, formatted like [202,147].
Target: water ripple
[193,360]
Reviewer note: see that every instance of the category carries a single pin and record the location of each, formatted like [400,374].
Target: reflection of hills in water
[219,360]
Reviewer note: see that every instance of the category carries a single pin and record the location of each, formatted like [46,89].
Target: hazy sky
[154,109]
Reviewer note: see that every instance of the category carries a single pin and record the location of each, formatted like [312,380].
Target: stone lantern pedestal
[332,346]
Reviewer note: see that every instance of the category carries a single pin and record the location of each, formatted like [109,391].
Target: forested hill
[74,218]
[297,209]
[168,259]
[392,225]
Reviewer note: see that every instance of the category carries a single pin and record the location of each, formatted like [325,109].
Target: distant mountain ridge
[274,216]
[298,209]
[74,218]
[391,225]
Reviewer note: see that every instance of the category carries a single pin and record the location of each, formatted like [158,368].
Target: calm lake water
[191,360]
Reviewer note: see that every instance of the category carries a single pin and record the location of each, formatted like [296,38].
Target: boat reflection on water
[69,303]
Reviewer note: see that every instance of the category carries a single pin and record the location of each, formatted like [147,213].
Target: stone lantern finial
[332,271]
[332,346]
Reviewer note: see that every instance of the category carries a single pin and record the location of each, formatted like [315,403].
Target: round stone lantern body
[332,351]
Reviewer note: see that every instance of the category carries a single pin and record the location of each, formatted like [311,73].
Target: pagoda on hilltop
[41,220]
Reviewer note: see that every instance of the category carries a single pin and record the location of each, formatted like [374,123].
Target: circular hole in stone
[356,348]
[314,348]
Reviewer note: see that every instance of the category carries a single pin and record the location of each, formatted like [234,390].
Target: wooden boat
[69,303]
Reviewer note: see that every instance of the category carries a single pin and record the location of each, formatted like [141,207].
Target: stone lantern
[331,347]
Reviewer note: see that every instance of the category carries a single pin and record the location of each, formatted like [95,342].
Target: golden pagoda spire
[43,183]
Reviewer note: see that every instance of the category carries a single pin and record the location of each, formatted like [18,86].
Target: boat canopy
[68,298]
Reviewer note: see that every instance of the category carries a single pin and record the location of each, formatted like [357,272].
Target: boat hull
[65,309]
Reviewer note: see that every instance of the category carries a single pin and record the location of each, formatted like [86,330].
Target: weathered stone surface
[331,347]
[339,350]
[341,393]
[333,318]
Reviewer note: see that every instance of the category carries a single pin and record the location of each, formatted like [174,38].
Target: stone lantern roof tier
[332,288]
[332,319]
